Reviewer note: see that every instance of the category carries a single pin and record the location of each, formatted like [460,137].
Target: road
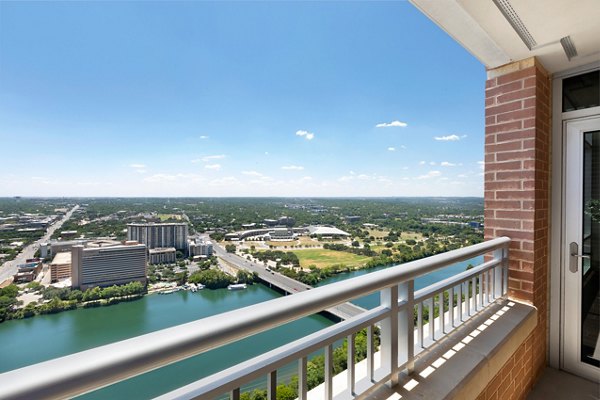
[10,267]
[289,285]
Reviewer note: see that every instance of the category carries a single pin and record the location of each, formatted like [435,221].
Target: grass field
[411,235]
[164,217]
[324,258]
[378,233]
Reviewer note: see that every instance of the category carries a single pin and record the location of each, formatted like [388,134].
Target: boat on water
[237,286]
[195,287]
[176,289]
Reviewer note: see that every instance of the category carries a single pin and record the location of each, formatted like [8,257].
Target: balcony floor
[560,385]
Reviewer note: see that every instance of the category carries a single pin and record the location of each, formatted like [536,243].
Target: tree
[355,243]
[230,248]
[181,277]
[211,278]
[35,286]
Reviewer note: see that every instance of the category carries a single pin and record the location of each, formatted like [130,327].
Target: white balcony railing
[461,296]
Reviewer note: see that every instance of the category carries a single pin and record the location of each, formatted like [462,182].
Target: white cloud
[206,159]
[422,162]
[449,138]
[392,124]
[215,157]
[403,147]
[430,174]
[214,167]
[305,134]
[447,164]
[431,162]
[481,165]
[292,167]
[364,178]
[252,173]
[203,137]
[391,149]
[226,181]
[139,168]
[462,176]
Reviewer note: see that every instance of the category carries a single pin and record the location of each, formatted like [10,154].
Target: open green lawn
[164,217]
[324,258]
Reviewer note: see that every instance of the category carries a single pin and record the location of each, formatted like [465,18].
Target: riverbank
[33,340]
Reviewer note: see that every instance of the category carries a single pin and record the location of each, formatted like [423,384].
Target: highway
[9,268]
[289,285]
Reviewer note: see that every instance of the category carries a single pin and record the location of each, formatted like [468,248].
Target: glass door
[581,261]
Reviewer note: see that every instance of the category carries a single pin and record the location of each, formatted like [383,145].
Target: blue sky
[236,99]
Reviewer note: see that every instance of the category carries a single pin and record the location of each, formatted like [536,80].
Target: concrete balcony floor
[560,385]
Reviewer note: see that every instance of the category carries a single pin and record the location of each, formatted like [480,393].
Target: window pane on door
[590,271]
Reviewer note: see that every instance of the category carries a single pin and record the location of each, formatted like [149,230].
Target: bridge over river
[284,283]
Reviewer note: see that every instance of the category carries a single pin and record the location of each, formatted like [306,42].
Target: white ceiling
[481,28]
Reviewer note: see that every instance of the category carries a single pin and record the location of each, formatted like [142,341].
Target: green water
[29,341]
[24,342]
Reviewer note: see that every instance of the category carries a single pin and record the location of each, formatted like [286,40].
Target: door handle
[574,256]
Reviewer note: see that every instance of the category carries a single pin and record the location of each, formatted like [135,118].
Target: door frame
[557,252]
[572,227]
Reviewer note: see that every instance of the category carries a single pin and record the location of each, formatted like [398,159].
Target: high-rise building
[200,248]
[106,266]
[159,235]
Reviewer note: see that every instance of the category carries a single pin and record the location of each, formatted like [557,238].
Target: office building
[159,235]
[28,272]
[60,267]
[106,266]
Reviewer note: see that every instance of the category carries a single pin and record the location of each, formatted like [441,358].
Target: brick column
[517,187]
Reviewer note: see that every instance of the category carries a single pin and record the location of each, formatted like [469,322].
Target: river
[24,342]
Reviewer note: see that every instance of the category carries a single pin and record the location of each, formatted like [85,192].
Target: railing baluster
[493,287]
[430,317]
[272,385]
[329,372]
[406,323]
[474,293]
[451,306]
[490,292]
[420,324]
[467,293]
[351,365]
[505,272]
[302,384]
[442,313]
[234,394]
[370,353]
[389,333]
[459,303]
[499,273]
[483,288]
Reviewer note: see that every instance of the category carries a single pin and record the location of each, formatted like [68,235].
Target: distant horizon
[249,99]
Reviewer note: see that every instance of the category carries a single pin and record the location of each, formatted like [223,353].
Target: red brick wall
[517,193]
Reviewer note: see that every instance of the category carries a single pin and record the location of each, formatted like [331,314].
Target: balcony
[475,329]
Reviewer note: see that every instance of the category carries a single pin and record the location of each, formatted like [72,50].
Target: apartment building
[200,248]
[162,255]
[159,235]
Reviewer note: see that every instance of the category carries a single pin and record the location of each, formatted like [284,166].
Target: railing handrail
[101,366]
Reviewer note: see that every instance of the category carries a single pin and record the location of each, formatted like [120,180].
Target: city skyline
[236,99]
